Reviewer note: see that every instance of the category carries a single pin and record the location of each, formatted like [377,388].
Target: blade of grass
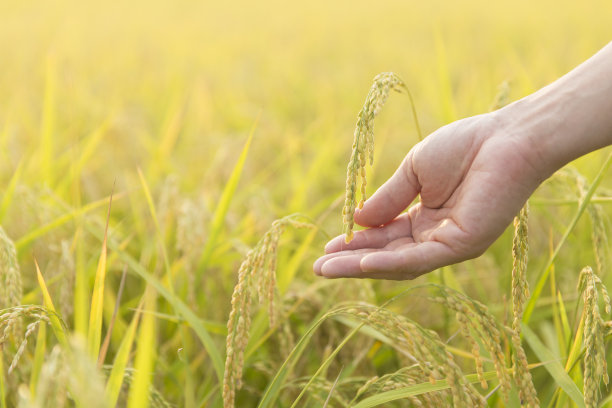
[117,374]
[107,338]
[553,366]
[543,276]
[94,333]
[564,322]
[56,324]
[7,198]
[145,356]
[224,202]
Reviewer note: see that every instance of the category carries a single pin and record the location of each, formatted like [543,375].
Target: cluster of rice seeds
[256,276]
[595,368]
[13,317]
[10,277]
[404,377]
[473,317]
[520,293]
[424,348]
[363,144]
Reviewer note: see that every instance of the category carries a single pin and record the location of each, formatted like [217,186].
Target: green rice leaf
[94,334]
[56,323]
[554,367]
[145,357]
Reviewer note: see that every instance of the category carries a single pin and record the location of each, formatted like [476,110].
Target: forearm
[566,119]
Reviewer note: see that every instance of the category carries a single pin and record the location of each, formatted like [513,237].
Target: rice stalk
[363,144]
[256,277]
[520,293]
[595,367]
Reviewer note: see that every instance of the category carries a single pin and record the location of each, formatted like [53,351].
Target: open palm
[472,178]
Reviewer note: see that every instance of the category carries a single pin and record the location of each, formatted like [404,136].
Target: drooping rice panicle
[363,144]
[431,361]
[13,317]
[595,367]
[256,277]
[474,318]
[520,293]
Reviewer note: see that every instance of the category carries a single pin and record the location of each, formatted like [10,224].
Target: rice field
[169,172]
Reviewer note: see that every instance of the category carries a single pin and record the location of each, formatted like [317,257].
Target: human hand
[472,177]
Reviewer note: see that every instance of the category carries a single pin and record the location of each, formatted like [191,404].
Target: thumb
[391,198]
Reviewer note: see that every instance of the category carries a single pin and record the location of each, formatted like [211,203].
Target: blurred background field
[90,92]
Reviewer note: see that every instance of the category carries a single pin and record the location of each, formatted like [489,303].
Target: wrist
[537,124]
[566,119]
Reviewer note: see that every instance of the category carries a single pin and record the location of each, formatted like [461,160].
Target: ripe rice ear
[595,367]
[256,277]
[363,143]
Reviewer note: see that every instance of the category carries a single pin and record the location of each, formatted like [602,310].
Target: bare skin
[472,177]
